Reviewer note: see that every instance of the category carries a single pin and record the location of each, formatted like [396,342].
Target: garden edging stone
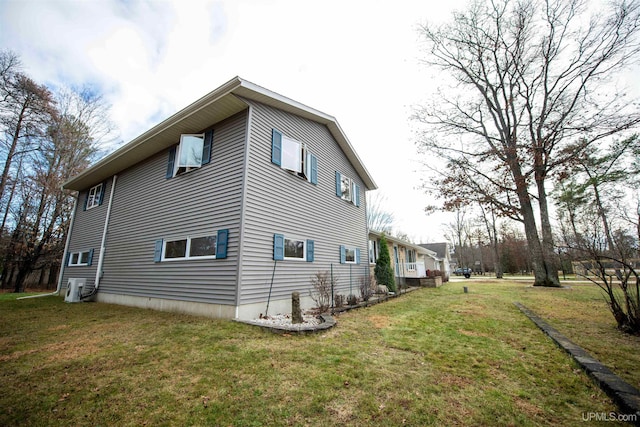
[623,394]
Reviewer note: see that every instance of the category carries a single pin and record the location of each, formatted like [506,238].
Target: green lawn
[432,357]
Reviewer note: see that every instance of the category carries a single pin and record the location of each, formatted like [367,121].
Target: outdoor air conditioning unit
[74,288]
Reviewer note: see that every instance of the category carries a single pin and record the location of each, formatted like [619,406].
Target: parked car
[463,271]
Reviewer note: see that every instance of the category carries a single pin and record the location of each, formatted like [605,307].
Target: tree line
[47,136]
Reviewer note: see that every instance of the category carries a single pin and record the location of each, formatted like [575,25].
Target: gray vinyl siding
[148,207]
[278,202]
[86,235]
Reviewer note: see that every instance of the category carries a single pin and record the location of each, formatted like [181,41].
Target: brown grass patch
[380,322]
[473,333]
[340,412]
[58,328]
[16,355]
[73,349]
[529,408]
[450,380]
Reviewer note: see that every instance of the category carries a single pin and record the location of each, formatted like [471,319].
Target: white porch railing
[415,269]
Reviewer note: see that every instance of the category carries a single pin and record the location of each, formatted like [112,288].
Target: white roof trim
[417,248]
[225,102]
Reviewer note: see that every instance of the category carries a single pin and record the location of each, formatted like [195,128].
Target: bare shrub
[321,292]
[368,286]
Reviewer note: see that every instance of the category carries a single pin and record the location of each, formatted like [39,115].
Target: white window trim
[187,249]
[78,263]
[292,155]
[295,157]
[350,248]
[350,185]
[373,251]
[177,165]
[94,196]
[411,265]
[304,250]
[303,168]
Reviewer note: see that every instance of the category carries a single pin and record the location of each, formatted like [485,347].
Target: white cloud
[355,60]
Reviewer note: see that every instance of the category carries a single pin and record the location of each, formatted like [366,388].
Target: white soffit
[208,110]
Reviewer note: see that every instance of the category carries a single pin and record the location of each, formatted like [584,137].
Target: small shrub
[352,299]
[321,293]
[338,300]
[368,286]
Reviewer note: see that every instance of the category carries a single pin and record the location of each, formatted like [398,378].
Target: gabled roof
[217,105]
[418,248]
[440,248]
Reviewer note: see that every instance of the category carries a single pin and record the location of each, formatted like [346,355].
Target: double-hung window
[193,152]
[290,248]
[293,156]
[347,189]
[212,246]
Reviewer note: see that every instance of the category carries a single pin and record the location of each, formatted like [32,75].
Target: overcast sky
[355,60]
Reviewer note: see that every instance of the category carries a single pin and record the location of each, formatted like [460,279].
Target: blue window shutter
[357,256]
[86,200]
[343,256]
[221,244]
[102,190]
[90,260]
[278,247]
[67,258]
[310,250]
[206,147]
[314,169]
[356,198]
[338,185]
[276,147]
[171,162]
[157,253]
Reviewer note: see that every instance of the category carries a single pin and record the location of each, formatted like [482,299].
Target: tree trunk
[53,274]
[543,270]
[549,255]
[12,150]
[24,268]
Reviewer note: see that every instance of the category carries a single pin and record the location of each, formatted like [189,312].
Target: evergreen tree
[383,270]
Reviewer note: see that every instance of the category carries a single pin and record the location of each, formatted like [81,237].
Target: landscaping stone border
[300,328]
[623,394]
[328,320]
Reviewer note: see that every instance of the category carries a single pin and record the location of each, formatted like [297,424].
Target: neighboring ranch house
[233,202]
[443,256]
[409,261]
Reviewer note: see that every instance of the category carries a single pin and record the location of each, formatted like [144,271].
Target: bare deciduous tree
[379,218]
[52,138]
[532,87]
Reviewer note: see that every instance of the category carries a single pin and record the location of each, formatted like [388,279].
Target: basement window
[212,246]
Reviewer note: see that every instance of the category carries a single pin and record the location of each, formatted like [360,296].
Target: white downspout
[64,254]
[104,235]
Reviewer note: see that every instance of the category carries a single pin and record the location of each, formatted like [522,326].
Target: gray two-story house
[235,201]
